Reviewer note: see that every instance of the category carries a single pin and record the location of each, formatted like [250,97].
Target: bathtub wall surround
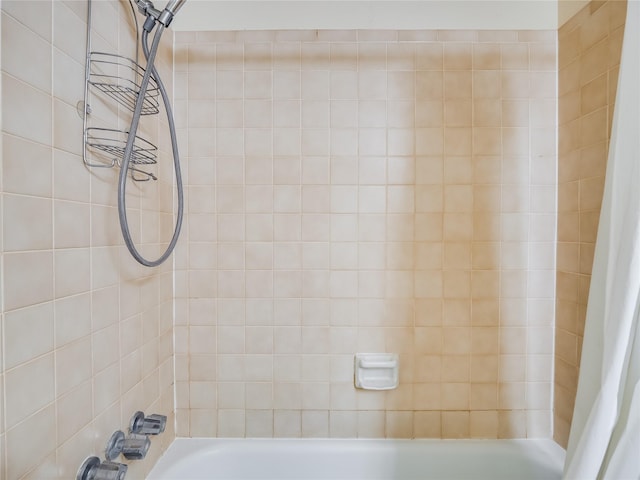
[589,48]
[348,191]
[366,191]
[87,334]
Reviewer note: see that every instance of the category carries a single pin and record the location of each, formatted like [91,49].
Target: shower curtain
[604,441]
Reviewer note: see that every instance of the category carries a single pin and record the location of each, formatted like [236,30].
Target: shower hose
[124,168]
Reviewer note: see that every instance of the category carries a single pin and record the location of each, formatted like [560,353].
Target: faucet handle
[133,447]
[151,425]
[93,469]
[136,446]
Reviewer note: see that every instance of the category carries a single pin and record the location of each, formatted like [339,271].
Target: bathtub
[338,459]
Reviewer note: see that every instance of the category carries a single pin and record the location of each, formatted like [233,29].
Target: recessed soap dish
[376,371]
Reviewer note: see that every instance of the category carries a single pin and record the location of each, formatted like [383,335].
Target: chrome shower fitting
[169,11]
[93,469]
[133,447]
[151,425]
[165,16]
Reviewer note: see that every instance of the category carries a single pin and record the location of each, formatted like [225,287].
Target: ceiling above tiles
[361,14]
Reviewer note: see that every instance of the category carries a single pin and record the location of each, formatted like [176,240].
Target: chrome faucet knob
[133,447]
[93,469]
[110,471]
[151,425]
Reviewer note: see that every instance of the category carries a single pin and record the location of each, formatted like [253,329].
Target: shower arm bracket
[154,15]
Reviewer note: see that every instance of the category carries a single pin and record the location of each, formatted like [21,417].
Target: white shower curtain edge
[607,382]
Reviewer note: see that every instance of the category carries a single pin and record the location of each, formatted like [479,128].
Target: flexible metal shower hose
[122,180]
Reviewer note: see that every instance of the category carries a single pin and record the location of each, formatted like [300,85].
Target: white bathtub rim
[184,450]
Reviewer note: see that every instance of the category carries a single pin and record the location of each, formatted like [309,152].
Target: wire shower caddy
[116,78]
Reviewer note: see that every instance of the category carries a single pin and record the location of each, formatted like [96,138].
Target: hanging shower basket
[117,78]
[107,147]
[112,143]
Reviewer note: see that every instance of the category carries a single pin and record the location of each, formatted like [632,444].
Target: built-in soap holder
[376,371]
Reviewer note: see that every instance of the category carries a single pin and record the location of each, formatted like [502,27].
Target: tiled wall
[366,191]
[347,191]
[589,47]
[86,333]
